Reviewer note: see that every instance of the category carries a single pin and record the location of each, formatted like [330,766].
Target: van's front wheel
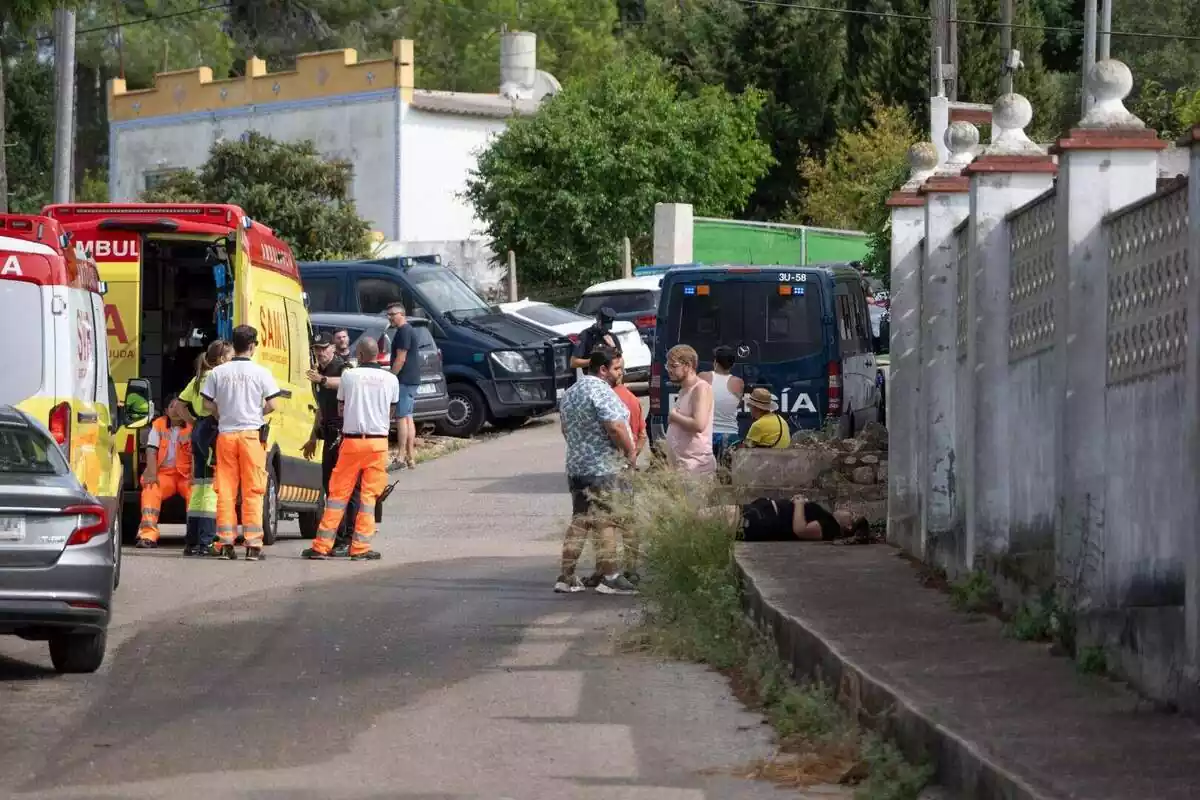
[466,412]
[270,517]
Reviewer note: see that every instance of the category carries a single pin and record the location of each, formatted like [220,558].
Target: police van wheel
[466,412]
[271,508]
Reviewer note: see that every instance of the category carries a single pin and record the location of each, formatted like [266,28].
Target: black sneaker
[617,585]
[593,580]
[313,555]
[145,544]
[254,554]
[229,552]
[633,577]
[190,550]
[370,555]
[340,551]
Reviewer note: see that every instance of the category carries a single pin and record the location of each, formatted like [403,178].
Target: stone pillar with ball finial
[947,205]
[1010,174]
[903,396]
[1109,160]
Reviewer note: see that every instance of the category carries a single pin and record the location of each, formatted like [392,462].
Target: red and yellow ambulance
[179,276]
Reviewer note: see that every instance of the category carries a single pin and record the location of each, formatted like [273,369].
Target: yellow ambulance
[51,315]
[178,277]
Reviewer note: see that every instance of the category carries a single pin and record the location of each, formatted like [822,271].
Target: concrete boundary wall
[1056,397]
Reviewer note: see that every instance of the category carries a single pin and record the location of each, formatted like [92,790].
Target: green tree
[29,113]
[456,41]
[563,187]
[794,56]
[17,18]
[887,58]
[849,183]
[289,186]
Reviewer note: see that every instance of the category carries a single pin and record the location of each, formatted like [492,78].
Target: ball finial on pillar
[922,162]
[1011,115]
[962,140]
[1109,83]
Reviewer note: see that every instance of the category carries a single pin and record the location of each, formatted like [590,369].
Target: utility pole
[64,106]
[943,49]
[1006,46]
[1105,30]
[1089,49]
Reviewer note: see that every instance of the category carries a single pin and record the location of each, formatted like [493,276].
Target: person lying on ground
[764,520]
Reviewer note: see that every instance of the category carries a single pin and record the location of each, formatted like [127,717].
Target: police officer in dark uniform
[327,427]
[599,334]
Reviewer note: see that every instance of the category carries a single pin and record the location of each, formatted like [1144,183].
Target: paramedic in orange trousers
[367,396]
[168,469]
[240,394]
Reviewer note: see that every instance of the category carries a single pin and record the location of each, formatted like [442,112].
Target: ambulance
[56,366]
[178,277]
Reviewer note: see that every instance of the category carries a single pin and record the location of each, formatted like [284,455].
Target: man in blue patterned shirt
[595,424]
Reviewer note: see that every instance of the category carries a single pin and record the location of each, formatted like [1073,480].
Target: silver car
[58,559]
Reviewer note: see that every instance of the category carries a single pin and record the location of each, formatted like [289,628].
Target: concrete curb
[960,766]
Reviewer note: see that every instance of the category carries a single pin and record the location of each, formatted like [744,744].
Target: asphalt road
[447,670]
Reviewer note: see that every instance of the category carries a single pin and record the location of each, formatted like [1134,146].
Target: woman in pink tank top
[690,423]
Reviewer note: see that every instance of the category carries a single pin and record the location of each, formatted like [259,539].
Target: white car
[564,322]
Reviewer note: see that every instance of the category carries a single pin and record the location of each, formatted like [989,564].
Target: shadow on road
[13,670]
[527,483]
[275,680]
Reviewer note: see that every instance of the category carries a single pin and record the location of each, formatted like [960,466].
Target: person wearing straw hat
[767,428]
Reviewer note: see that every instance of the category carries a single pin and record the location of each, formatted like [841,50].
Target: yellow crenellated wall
[317,75]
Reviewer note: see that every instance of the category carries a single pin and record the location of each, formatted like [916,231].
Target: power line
[977,22]
[144,20]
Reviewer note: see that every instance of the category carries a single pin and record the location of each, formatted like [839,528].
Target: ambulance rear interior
[163,295]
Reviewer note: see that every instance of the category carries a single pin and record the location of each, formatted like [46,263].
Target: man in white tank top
[727,398]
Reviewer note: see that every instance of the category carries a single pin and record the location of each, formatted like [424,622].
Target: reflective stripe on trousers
[365,457]
[241,462]
[170,483]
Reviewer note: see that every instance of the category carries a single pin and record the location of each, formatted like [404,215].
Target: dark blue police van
[498,369]
[802,332]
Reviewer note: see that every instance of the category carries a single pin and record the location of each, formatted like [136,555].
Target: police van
[802,332]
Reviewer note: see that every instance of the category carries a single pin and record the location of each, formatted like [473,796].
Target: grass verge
[693,611]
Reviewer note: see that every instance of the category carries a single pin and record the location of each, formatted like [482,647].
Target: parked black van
[498,369]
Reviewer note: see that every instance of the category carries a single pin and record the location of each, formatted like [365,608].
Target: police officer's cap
[606,314]
[323,339]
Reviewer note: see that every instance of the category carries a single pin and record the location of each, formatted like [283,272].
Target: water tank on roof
[518,64]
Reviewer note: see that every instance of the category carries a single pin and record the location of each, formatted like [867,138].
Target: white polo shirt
[368,392]
[239,388]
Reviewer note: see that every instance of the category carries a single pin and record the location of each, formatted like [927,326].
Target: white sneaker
[618,585]
[565,585]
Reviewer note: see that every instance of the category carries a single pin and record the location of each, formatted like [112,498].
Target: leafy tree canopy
[849,183]
[286,186]
[563,187]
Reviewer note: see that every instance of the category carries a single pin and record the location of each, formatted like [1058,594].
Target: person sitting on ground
[768,428]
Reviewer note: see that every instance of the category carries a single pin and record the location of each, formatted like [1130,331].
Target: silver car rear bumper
[73,594]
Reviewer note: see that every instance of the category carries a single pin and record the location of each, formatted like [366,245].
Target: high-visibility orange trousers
[241,460]
[171,482]
[368,457]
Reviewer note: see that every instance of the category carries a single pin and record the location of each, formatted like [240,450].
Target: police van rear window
[779,325]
